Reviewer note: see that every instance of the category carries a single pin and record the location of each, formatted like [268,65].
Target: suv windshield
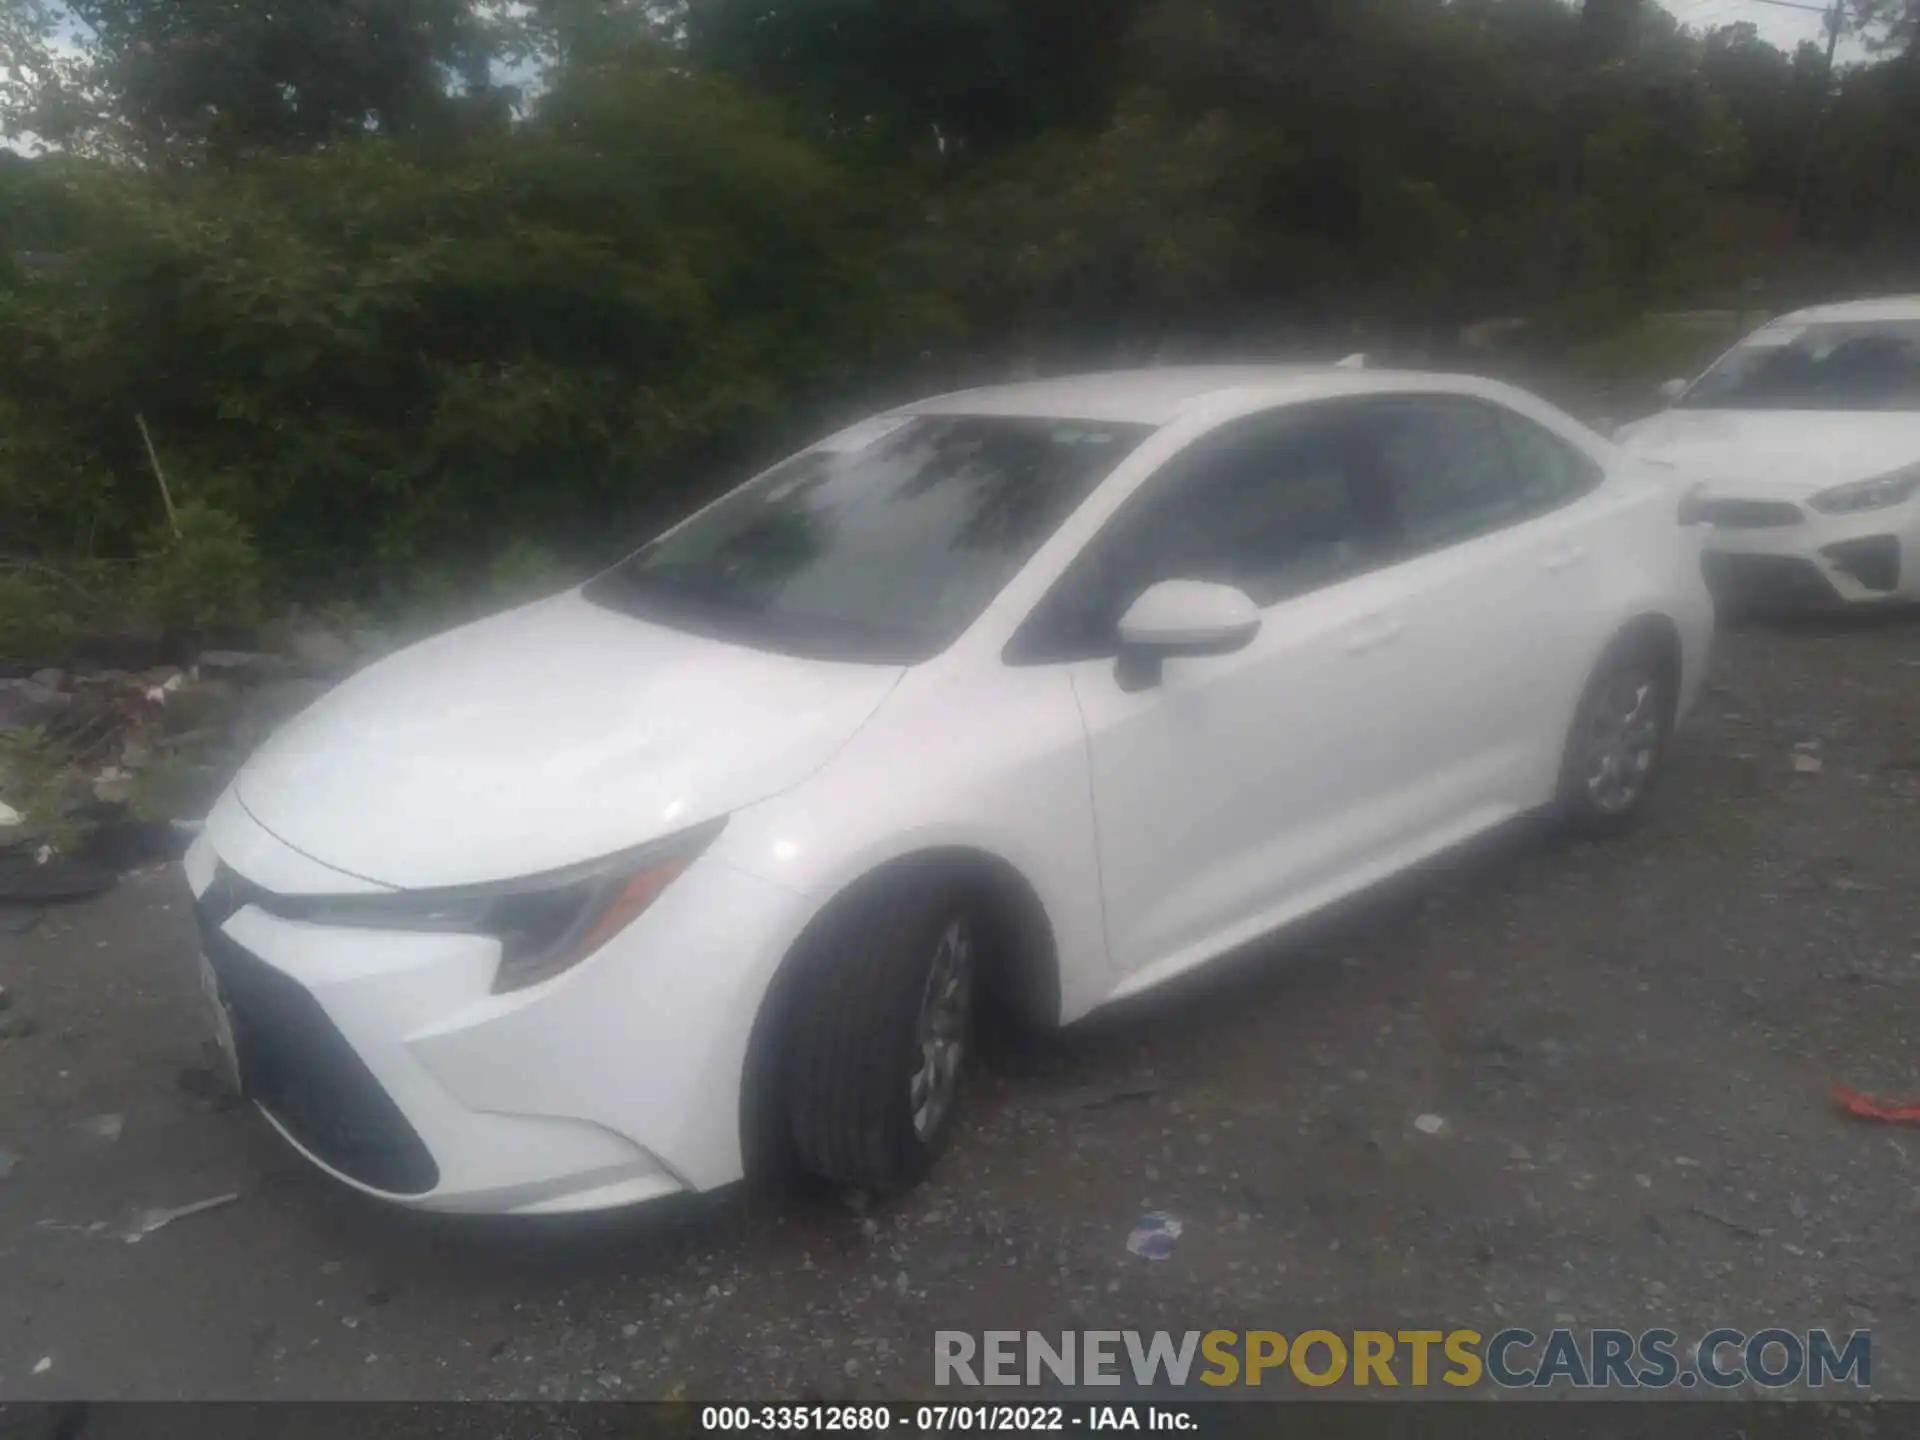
[1817,367]
[882,544]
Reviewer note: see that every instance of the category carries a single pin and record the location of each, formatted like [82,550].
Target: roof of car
[1885,307]
[1150,397]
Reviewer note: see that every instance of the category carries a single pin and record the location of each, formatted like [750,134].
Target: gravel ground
[1631,1046]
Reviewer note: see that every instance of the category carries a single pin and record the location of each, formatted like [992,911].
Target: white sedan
[1028,698]
[1804,442]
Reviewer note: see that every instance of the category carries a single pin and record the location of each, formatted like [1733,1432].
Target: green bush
[373,352]
[204,583]
[526,570]
[39,616]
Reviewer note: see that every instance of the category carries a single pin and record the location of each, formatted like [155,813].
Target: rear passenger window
[1460,468]
[1449,469]
[1551,472]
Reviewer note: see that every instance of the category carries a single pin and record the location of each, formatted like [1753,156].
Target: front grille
[1749,514]
[300,1069]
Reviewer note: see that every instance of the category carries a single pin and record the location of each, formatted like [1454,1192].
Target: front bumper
[386,1059]
[1777,554]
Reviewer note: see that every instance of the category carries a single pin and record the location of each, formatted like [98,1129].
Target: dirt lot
[1631,1047]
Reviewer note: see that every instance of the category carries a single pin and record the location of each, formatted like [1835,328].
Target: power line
[1702,7]
[1705,14]
[1711,12]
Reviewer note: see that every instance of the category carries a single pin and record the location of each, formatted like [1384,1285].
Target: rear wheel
[882,1036]
[1619,737]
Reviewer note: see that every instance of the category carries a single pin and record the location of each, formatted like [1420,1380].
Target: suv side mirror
[1672,390]
[1182,618]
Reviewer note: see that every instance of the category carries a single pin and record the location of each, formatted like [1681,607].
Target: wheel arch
[1661,633]
[1021,975]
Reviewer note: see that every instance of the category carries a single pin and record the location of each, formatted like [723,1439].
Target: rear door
[1496,519]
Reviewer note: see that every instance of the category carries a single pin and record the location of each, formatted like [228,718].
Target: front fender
[1007,776]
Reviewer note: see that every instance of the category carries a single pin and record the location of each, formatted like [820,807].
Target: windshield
[1868,366]
[882,544]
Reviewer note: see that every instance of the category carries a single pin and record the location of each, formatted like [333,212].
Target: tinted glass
[1275,509]
[1448,468]
[883,545]
[1549,471]
[1277,506]
[1817,367]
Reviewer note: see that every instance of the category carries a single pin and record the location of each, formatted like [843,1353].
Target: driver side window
[1274,505]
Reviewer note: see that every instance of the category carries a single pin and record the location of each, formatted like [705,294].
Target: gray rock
[26,704]
[245,663]
[319,649]
[374,643]
[207,705]
[104,1128]
[113,786]
[268,707]
[51,679]
[16,1025]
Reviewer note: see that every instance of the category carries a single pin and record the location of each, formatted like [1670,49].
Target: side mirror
[1672,390]
[1182,617]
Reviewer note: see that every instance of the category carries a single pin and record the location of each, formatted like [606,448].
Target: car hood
[544,737]
[1787,453]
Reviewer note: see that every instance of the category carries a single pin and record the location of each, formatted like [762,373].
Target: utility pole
[1836,20]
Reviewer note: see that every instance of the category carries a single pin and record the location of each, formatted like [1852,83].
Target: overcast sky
[1777,24]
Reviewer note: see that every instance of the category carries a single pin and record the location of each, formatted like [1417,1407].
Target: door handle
[1372,633]
[1565,558]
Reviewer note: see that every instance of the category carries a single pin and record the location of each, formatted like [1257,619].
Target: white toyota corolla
[1031,697]
[1804,440]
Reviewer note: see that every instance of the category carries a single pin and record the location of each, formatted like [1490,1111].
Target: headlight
[1875,494]
[546,924]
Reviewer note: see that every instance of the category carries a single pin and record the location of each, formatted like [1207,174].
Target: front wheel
[882,1036]
[1618,739]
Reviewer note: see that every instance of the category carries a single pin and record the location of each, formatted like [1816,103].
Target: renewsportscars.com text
[1511,1359]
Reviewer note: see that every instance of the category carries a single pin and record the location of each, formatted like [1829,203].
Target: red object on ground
[1868,1108]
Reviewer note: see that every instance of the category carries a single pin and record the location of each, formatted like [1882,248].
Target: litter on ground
[1868,1108]
[149,1221]
[1155,1236]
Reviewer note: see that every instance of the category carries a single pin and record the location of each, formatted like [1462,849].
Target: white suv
[1804,441]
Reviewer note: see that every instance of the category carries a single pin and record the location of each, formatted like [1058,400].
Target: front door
[1233,793]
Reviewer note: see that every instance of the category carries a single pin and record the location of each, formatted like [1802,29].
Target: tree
[950,76]
[186,77]
[1611,27]
[1889,26]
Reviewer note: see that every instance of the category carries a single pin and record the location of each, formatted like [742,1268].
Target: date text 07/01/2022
[942,1419]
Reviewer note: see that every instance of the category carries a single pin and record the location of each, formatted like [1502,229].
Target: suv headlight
[1876,494]
[545,924]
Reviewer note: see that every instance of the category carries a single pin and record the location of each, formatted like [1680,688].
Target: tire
[1619,737]
[888,1004]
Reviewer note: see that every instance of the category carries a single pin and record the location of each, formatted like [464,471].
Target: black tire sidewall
[854,1046]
